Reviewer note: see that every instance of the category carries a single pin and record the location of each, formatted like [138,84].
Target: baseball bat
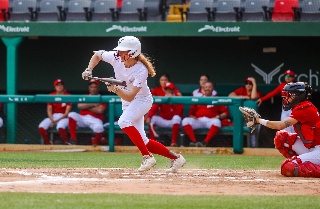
[111,80]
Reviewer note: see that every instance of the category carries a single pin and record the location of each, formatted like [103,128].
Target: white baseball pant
[63,123]
[164,123]
[312,154]
[202,122]
[95,124]
[133,115]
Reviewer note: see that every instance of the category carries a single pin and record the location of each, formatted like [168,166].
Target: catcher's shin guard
[299,169]
[283,141]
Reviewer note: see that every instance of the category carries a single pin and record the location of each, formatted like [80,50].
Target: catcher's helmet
[131,44]
[296,92]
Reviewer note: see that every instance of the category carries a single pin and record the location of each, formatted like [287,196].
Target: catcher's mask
[131,44]
[294,93]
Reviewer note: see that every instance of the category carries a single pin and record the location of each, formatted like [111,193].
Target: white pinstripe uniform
[134,111]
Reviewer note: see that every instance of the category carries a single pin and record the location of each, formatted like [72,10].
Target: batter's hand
[87,74]
[112,87]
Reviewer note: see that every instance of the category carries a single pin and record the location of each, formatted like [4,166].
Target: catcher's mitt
[250,116]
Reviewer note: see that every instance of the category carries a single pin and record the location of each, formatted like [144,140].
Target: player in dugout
[165,116]
[91,115]
[57,115]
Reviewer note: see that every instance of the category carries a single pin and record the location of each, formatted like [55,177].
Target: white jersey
[134,76]
[198,93]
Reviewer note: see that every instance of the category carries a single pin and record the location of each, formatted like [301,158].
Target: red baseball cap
[289,72]
[248,79]
[58,81]
[93,81]
[169,85]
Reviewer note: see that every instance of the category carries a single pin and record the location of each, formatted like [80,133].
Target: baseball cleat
[176,164]
[147,163]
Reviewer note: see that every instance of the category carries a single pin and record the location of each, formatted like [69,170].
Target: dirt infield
[156,181]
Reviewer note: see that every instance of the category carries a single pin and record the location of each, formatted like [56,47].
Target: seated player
[57,115]
[91,115]
[169,116]
[204,116]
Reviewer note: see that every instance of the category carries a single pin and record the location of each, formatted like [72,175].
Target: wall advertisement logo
[312,77]
[219,29]
[10,29]
[127,28]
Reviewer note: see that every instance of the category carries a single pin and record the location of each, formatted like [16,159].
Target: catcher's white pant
[312,154]
[63,123]
[133,115]
[202,122]
[285,114]
[95,124]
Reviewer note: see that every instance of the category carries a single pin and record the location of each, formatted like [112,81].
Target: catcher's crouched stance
[302,149]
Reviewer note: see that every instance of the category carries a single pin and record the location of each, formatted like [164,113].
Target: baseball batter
[302,149]
[170,116]
[57,115]
[204,116]
[289,76]
[91,115]
[132,66]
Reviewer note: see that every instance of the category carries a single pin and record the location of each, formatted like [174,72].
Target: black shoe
[71,142]
[192,144]
[201,144]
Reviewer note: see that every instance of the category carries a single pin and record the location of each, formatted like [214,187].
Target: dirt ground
[156,181]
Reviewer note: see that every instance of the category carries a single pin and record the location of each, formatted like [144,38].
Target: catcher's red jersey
[59,107]
[308,126]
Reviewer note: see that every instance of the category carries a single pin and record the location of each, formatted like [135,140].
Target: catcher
[302,149]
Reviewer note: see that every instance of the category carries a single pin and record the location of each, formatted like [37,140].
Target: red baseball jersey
[242,91]
[273,93]
[209,111]
[96,115]
[166,111]
[158,91]
[59,107]
[308,127]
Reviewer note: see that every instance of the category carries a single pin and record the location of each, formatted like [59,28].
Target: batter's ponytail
[146,61]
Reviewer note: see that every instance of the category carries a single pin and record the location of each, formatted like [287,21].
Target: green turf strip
[122,201]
